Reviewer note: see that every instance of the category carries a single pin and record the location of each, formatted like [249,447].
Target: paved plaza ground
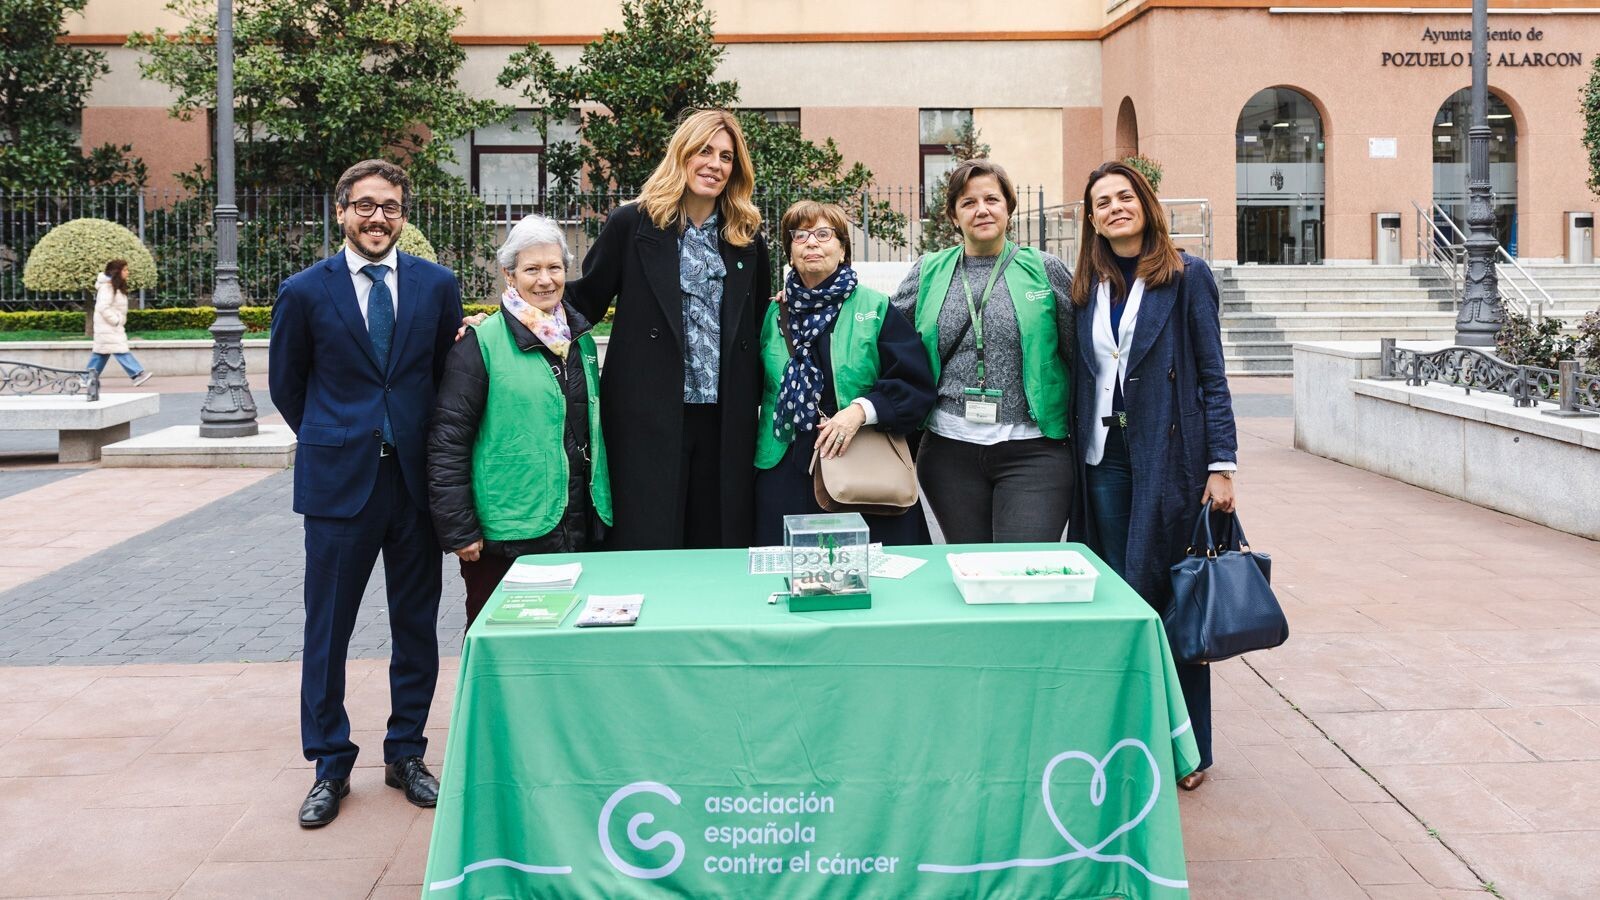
[1432,729]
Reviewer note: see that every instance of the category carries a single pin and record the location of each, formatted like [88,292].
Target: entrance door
[1278,175]
[1450,126]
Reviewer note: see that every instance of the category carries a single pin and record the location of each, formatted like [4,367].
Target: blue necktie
[380,328]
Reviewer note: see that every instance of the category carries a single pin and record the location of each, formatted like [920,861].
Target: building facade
[1298,123]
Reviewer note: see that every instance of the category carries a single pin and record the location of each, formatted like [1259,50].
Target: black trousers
[481,577]
[339,557]
[700,476]
[1012,492]
[1110,492]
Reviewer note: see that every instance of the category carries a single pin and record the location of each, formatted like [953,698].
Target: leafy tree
[789,168]
[1590,101]
[319,85]
[632,85]
[938,232]
[1149,168]
[322,84]
[43,84]
[643,77]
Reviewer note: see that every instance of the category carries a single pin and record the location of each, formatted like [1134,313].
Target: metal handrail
[1071,217]
[1575,392]
[1532,306]
[25,379]
[1430,240]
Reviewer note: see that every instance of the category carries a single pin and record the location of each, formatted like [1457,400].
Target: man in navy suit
[357,351]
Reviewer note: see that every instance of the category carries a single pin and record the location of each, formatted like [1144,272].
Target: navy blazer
[1180,420]
[324,376]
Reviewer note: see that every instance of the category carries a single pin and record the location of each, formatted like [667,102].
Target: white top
[957,428]
[1111,362]
[363,284]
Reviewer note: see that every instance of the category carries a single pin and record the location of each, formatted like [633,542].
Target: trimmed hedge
[255,318]
[42,320]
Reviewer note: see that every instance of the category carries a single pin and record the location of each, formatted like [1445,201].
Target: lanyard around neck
[975,310]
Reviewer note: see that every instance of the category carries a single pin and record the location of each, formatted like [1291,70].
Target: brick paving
[221,584]
[1433,726]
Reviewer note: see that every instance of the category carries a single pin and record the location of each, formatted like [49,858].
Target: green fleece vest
[519,462]
[853,347]
[1045,378]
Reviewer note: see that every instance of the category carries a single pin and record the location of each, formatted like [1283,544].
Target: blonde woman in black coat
[687,269]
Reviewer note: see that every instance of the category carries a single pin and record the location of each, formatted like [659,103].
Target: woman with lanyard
[1154,417]
[837,360]
[995,464]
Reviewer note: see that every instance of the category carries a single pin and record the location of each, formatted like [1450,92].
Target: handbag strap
[1236,528]
[1202,525]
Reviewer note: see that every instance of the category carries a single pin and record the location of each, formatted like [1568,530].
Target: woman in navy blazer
[1152,412]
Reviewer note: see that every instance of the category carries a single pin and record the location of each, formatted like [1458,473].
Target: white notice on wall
[1382,148]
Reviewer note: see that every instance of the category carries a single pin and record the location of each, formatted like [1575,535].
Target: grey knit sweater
[1002,342]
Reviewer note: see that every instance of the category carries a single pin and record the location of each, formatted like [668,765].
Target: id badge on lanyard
[982,404]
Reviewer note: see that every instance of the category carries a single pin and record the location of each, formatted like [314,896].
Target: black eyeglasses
[365,208]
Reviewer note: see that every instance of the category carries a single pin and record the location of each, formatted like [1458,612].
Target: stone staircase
[1575,289]
[1266,309]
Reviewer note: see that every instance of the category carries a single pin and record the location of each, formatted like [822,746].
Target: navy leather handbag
[1222,600]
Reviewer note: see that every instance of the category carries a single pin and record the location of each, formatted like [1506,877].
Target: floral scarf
[551,328]
[810,311]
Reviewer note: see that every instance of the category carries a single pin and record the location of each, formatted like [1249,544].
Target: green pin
[740,264]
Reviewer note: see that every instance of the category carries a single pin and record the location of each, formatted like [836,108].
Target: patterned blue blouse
[700,274]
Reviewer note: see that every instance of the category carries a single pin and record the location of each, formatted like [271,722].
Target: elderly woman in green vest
[837,358]
[995,465]
[516,461]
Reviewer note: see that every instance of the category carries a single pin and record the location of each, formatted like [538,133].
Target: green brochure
[534,610]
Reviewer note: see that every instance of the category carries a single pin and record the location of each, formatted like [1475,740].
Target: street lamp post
[1481,313]
[229,410]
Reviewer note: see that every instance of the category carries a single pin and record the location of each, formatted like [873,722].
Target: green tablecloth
[725,747]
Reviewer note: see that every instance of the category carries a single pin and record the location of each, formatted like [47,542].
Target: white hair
[533,231]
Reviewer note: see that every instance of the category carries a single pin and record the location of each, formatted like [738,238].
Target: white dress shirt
[363,284]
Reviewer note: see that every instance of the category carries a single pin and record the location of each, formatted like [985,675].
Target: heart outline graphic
[1097,795]
[1097,791]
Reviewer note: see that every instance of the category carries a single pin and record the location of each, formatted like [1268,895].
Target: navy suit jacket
[325,379]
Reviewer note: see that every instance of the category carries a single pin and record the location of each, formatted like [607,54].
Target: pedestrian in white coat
[110,315]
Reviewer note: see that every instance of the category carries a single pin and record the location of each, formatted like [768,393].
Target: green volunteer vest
[854,352]
[519,462]
[1045,378]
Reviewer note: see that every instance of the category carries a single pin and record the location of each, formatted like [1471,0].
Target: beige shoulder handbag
[874,476]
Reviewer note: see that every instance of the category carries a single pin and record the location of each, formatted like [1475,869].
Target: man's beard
[353,238]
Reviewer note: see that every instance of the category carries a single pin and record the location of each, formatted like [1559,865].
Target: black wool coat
[634,265]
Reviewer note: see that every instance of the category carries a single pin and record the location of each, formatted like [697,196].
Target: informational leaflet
[892,565]
[533,609]
[610,611]
[526,576]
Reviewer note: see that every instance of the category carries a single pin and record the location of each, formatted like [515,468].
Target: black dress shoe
[412,776]
[322,804]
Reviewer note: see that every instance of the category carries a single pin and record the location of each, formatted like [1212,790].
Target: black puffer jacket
[463,396]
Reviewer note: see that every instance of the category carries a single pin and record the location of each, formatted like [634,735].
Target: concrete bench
[68,402]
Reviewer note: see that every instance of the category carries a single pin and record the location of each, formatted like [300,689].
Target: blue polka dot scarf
[810,312]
